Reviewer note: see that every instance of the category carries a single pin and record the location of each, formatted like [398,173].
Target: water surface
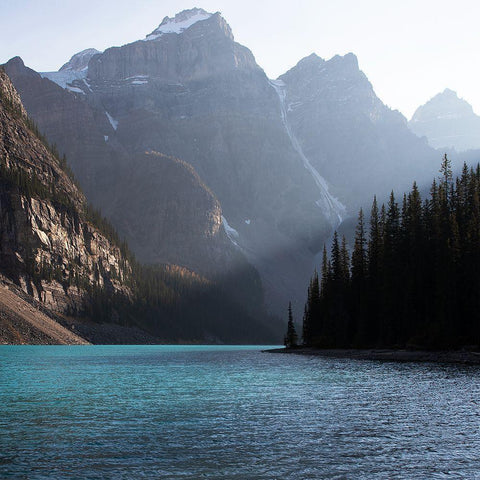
[128,412]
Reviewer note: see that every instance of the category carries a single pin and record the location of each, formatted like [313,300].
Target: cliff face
[47,244]
[200,51]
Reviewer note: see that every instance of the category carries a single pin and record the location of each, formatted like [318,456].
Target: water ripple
[232,413]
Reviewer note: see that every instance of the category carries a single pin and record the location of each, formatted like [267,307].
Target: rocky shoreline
[388,355]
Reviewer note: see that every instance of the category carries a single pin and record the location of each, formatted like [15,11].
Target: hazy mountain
[287,160]
[360,146]
[448,122]
[116,180]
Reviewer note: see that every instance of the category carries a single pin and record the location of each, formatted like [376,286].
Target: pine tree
[291,338]
[358,283]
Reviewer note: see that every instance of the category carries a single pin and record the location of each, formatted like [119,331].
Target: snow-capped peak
[80,60]
[179,23]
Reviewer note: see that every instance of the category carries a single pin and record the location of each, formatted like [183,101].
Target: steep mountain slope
[48,244]
[448,122]
[67,258]
[115,180]
[360,145]
[194,94]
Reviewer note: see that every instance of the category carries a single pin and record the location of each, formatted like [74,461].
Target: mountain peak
[181,22]
[15,66]
[449,93]
[313,58]
[16,61]
[349,60]
[447,121]
[80,60]
[446,104]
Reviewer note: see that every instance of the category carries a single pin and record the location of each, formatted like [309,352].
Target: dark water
[232,413]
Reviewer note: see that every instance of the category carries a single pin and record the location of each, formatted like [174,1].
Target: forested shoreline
[412,278]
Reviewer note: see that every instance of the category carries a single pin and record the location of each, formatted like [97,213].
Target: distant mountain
[360,146]
[448,122]
[278,163]
[79,61]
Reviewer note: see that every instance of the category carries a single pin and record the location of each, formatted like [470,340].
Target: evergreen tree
[291,338]
[358,285]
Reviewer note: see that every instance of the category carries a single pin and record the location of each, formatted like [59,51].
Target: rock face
[448,122]
[177,229]
[361,146]
[47,245]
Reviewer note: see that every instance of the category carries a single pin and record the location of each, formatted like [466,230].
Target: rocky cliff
[48,245]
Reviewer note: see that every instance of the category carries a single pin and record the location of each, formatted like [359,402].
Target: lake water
[162,412]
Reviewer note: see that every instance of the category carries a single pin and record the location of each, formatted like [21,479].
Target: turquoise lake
[175,412]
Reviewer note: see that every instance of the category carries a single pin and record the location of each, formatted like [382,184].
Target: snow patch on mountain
[113,122]
[75,89]
[232,234]
[65,78]
[179,23]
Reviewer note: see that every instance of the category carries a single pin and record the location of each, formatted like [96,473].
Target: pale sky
[409,49]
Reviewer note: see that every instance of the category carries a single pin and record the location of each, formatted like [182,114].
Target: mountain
[107,172]
[448,122]
[63,265]
[200,97]
[278,163]
[360,146]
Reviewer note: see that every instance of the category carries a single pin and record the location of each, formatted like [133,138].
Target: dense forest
[412,278]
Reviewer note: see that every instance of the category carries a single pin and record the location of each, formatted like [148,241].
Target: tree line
[412,277]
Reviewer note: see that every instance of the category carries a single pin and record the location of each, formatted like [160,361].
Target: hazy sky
[409,49]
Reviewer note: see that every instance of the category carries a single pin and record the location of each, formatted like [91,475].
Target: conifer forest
[411,279]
